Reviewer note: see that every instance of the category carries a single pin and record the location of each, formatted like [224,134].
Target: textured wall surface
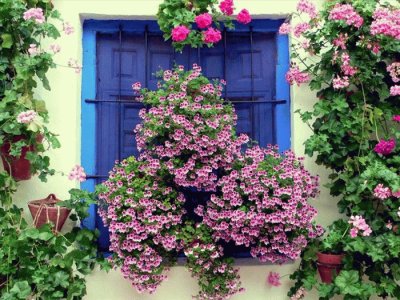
[63,102]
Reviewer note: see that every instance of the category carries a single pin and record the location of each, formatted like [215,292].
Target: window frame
[88,89]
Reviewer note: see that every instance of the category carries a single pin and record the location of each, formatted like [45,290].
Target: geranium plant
[197,22]
[352,63]
[187,143]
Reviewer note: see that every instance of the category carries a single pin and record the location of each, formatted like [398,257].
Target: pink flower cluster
[35,14]
[382,192]
[274,279]
[211,35]
[294,75]
[209,258]
[341,41]
[347,69]
[77,173]
[385,147]
[347,13]
[33,50]
[73,63]
[359,225]
[180,33]
[340,82]
[395,90]
[203,20]
[26,117]
[226,7]
[142,215]
[197,129]
[68,28]
[285,28]
[396,118]
[300,294]
[300,28]
[386,22]
[307,7]
[244,16]
[394,71]
[264,205]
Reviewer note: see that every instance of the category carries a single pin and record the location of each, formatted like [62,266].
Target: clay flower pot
[329,265]
[18,167]
[46,211]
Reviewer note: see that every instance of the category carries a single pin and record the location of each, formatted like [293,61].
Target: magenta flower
[299,29]
[274,279]
[340,82]
[386,22]
[26,117]
[77,173]
[180,33]
[244,17]
[203,20]
[211,35]
[285,28]
[385,147]
[395,90]
[382,192]
[226,7]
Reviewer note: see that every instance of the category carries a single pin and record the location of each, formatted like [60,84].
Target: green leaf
[7,40]
[346,281]
[21,289]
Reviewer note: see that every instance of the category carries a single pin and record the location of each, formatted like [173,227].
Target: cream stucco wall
[64,106]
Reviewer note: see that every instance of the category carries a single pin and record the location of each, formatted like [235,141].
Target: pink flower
[77,173]
[395,90]
[295,75]
[359,224]
[385,147]
[299,29]
[226,7]
[180,33]
[340,82]
[347,13]
[341,41]
[33,50]
[55,48]
[396,118]
[211,35]
[136,86]
[35,14]
[307,7]
[300,294]
[394,71]
[203,20]
[274,279]
[386,22]
[396,194]
[73,63]
[285,28]
[244,17]
[68,28]
[26,117]
[382,192]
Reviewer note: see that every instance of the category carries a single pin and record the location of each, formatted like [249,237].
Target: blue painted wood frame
[88,110]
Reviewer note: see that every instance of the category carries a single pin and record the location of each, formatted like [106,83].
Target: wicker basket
[46,211]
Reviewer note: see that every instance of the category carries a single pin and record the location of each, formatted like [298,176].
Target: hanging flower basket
[18,167]
[47,211]
[329,265]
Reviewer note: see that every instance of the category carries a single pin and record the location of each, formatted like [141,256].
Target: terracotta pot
[46,211]
[329,265]
[18,167]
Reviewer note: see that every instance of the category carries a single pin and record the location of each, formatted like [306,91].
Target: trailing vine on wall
[352,63]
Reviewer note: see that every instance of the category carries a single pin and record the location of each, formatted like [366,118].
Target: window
[253,61]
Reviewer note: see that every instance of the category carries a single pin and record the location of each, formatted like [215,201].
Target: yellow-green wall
[64,107]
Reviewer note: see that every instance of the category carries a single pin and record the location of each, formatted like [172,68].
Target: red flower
[226,7]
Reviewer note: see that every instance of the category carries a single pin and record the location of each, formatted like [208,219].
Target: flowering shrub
[187,141]
[354,67]
[197,22]
[264,206]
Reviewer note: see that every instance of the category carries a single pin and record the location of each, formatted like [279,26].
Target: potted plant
[47,210]
[331,251]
